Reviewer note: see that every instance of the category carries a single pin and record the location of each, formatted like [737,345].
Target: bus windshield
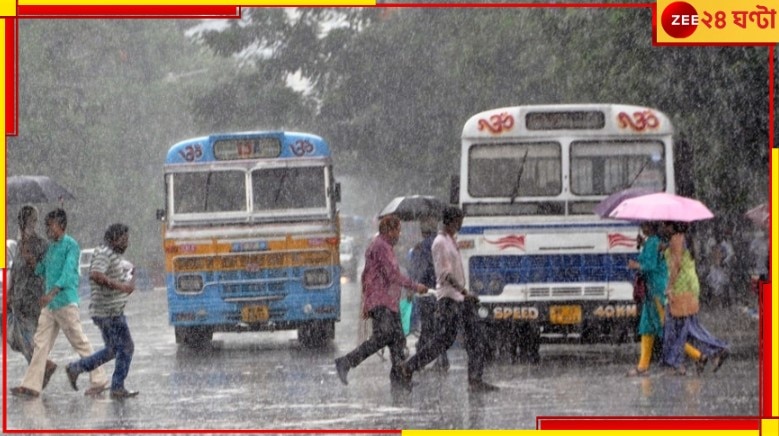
[523,169]
[603,167]
[272,190]
[209,191]
[289,188]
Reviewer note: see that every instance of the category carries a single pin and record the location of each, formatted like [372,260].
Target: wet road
[268,381]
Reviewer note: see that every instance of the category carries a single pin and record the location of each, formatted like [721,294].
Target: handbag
[683,304]
[639,288]
[406,305]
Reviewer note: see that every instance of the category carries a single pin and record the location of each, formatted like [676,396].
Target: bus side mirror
[160,214]
[337,193]
[454,190]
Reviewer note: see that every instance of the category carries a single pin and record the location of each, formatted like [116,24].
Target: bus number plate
[565,314]
[254,313]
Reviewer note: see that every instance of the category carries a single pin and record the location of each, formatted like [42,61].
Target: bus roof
[553,119]
[269,144]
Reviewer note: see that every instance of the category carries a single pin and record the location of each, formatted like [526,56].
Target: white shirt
[447,260]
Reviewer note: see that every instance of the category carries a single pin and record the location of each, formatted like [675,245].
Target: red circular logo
[679,19]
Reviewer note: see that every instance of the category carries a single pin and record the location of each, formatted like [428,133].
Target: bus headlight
[477,286]
[316,278]
[483,312]
[495,286]
[189,283]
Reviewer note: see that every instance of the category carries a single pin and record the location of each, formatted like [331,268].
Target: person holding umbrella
[25,289]
[652,265]
[681,322]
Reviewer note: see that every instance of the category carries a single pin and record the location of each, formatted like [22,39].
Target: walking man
[455,308]
[381,283]
[111,286]
[59,308]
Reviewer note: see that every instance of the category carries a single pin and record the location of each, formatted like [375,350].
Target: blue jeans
[118,344]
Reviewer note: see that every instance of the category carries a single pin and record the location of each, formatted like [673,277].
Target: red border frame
[545,423]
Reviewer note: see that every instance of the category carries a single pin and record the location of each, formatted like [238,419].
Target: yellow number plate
[254,313]
[565,314]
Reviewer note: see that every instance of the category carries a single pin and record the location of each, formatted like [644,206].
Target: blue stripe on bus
[562,268]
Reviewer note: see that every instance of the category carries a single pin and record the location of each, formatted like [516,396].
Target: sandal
[635,372]
[720,358]
[700,364]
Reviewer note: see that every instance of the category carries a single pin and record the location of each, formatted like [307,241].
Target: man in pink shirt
[455,308]
[381,283]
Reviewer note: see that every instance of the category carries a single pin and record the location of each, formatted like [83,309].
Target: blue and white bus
[251,236]
[544,265]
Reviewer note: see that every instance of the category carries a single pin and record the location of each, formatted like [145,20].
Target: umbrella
[34,189]
[604,208]
[414,207]
[759,214]
[661,206]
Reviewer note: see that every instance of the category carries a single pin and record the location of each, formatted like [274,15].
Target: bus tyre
[194,337]
[316,334]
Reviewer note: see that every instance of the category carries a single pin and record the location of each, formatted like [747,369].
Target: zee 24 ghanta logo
[681,19]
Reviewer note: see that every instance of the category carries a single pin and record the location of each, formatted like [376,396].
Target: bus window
[209,191]
[289,188]
[493,169]
[603,167]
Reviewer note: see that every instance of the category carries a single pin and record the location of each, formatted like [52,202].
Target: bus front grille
[542,292]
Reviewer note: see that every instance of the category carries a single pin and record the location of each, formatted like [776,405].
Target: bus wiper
[640,170]
[515,191]
[208,183]
[281,183]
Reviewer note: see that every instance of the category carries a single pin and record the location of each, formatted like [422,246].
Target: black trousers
[426,305]
[450,317]
[387,332]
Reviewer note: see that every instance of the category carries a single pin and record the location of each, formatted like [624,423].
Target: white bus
[544,265]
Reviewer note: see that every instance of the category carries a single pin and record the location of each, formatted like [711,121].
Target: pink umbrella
[759,215]
[661,206]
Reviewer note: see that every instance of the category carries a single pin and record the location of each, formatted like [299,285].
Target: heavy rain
[101,102]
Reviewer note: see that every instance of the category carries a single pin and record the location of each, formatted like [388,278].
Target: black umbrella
[414,207]
[34,189]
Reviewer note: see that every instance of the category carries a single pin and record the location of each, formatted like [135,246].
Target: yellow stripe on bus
[252,261]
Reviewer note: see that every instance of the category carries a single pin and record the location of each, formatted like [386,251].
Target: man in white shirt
[455,308]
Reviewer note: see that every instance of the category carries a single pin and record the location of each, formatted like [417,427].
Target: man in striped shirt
[111,287]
